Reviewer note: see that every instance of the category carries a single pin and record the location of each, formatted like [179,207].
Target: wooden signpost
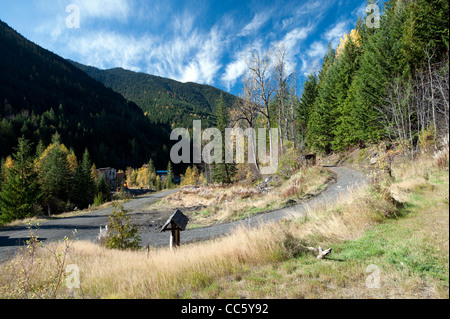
[176,223]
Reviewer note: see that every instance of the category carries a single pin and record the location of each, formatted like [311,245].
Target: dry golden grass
[166,274]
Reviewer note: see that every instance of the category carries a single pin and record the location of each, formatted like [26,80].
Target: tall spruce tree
[426,27]
[20,195]
[55,175]
[383,59]
[103,188]
[169,177]
[347,66]
[151,173]
[320,122]
[84,188]
[306,104]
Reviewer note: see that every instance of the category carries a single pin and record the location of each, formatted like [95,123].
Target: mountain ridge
[181,102]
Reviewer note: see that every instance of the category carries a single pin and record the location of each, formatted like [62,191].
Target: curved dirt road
[87,225]
[347,179]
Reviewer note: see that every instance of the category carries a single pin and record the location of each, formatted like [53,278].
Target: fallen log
[321,253]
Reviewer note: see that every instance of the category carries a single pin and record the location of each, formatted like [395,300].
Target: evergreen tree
[382,60]
[84,187]
[103,188]
[425,28]
[320,122]
[55,175]
[169,178]
[305,107]
[151,173]
[2,173]
[121,233]
[347,66]
[40,148]
[20,194]
[158,184]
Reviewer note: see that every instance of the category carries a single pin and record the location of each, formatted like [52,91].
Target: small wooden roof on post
[177,220]
[176,223]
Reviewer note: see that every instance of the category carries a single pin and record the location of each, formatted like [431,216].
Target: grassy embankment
[400,225]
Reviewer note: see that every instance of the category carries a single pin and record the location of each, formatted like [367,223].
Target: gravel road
[346,180]
[87,225]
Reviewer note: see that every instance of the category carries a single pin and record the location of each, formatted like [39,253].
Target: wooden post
[174,236]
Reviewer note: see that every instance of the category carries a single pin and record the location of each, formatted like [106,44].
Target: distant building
[110,176]
[161,173]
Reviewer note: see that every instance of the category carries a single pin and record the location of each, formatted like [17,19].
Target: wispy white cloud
[313,56]
[291,42]
[104,9]
[233,72]
[291,39]
[258,21]
[192,58]
[361,10]
[312,59]
[317,49]
[206,62]
[54,14]
[309,10]
[335,33]
[238,65]
[191,41]
[109,49]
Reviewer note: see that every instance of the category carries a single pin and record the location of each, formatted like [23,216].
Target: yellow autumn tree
[356,39]
[143,176]
[192,177]
[9,163]
[73,163]
[186,178]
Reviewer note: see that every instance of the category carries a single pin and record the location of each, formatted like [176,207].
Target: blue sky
[190,41]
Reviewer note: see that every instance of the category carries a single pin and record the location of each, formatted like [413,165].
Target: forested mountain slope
[42,93]
[163,100]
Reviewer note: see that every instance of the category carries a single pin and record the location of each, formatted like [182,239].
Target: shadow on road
[15,242]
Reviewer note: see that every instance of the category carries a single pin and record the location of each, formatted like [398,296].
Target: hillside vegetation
[163,100]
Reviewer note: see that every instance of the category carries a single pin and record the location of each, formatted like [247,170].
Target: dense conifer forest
[163,100]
